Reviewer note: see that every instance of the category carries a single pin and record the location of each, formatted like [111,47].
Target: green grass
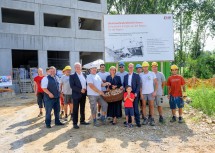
[203,99]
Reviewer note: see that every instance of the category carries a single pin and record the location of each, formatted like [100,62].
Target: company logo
[167,17]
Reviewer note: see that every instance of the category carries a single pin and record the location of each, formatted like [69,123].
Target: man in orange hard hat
[176,90]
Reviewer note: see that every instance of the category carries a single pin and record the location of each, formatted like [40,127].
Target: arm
[73,86]
[48,92]
[61,87]
[156,87]
[137,86]
[35,87]
[95,89]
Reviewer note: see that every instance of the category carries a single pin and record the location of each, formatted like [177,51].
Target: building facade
[41,33]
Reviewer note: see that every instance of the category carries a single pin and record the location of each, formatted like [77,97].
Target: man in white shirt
[78,84]
[50,86]
[94,92]
[148,92]
[160,92]
[103,75]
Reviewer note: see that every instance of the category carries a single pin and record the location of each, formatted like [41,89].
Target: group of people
[144,86]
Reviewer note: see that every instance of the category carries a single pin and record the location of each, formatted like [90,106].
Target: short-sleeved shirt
[96,81]
[175,82]
[147,82]
[121,75]
[66,89]
[38,80]
[103,76]
[128,102]
[161,78]
[45,81]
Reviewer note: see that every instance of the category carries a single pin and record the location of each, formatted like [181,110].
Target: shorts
[158,100]
[129,111]
[148,97]
[176,102]
[40,100]
[67,99]
[93,104]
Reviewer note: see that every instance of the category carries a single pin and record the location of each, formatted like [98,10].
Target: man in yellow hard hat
[66,91]
[161,83]
[176,87]
[148,92]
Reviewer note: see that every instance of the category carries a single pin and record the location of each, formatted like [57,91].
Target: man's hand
[107,83]
[101,93]
[114,87]
[154,93]
[141,97]
[51,95]
[135,95]
[83,90]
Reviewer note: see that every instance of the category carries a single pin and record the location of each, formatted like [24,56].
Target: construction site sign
[139,37]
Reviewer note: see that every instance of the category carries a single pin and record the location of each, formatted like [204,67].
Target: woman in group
[114,108]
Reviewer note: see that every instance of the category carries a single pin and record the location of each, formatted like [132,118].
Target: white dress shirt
[130,78]
[82,80]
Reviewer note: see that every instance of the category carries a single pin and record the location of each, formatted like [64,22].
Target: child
[129,110]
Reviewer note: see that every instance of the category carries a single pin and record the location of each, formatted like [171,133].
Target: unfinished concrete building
[41,33]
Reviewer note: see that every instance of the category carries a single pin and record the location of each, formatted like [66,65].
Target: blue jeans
[136,111]
[50,104]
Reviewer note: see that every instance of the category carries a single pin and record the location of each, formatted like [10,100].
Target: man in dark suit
[132,79]
[79,91]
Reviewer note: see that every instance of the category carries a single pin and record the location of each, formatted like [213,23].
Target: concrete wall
[41,38]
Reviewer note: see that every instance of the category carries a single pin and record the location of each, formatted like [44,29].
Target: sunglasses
[121,67]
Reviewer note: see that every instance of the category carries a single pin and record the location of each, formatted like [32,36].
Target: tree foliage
[194,22]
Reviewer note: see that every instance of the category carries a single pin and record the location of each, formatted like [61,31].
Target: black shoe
[85,123]
[113,123]
[180,120]
[139,125]
[59,124]
[75,126]
[173,119]
[152,122]
[48,126]
[161,119]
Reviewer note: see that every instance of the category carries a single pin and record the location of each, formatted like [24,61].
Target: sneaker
[96,124]
[180,120]
[66,118]
[40,114]
[126,125]
[61,114]
[152,122]
[99,115]
[145,121]
[173,119]
[131,125]
[103,119]
[161,119]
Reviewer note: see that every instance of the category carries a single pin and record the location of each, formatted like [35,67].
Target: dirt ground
[22,131]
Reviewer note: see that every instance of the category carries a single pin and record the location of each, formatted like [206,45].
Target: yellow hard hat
[67,68]
[174,67]
[145,64]
[154,64]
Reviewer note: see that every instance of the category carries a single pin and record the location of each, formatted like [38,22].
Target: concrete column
[43,59]
[74,57]
[5,62]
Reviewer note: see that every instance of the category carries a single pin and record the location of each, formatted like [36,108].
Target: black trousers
[76,103]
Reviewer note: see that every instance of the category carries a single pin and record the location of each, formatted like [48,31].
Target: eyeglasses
[121,67]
